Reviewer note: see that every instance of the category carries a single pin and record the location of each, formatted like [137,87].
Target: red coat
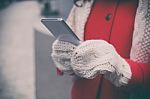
[113,21]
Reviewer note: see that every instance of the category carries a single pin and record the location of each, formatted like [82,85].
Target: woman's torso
[113,21]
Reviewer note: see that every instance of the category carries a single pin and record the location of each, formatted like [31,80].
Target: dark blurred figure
[50,8]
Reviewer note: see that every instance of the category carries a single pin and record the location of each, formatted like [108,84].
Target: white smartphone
[59,28]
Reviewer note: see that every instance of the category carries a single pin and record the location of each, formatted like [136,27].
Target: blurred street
[26,68]
[48,84]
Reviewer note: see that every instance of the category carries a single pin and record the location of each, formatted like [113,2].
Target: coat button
[108,17]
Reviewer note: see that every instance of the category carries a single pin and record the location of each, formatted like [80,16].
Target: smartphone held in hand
[60,30]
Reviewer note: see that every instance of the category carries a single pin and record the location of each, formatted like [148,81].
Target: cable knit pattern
[61,54]
[140,50]
[95,57]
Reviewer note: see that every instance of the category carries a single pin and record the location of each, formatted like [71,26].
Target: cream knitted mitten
[95,57]
[61,55]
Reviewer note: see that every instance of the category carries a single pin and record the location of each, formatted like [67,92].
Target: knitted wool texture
[61,54]
[140,50]
[95,57]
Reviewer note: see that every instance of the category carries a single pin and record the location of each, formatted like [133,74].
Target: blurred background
[26,68]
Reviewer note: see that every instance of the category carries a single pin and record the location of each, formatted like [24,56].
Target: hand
[95,57]
[61,55]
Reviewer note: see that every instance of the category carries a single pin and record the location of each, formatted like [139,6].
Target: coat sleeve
[140,73]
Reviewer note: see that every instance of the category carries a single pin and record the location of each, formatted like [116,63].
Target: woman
[114,55]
